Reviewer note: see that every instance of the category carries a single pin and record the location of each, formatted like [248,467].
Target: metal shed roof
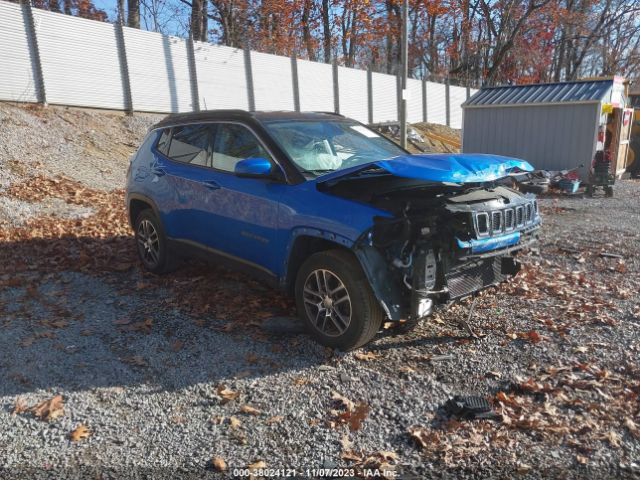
[543,93]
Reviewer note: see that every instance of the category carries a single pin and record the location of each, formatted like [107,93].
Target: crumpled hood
[442,167]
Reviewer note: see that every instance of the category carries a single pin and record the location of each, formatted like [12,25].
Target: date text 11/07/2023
[314,472]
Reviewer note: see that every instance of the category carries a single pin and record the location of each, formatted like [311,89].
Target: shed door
[625,135]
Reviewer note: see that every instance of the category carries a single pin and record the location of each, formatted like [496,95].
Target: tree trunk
[67,7]
[133,17]
[204,37]
[326,27]
[121,12]
[54,6]
[196,19]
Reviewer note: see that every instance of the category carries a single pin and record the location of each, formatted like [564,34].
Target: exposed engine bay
[441,242]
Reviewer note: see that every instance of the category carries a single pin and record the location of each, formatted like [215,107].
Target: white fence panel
[17,82]
[385,98]
[457,96]
[352,88]
[272,81]
[436,103]
[315,83]
[158,72]
[222,81]
[414,104]
[80,62]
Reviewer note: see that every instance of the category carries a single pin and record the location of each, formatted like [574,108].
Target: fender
[143,198]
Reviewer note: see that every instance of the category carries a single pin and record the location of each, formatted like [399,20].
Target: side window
[163,143]
[190,144]
[234,143]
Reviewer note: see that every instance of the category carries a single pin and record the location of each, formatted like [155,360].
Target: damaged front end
[442,240]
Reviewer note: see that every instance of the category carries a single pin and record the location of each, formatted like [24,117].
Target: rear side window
[234,143]
[163,143]
[190,144]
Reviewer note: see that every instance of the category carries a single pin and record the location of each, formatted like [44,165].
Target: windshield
[318,147]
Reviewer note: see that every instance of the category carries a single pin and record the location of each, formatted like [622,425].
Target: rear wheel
[152,243]
[335,301]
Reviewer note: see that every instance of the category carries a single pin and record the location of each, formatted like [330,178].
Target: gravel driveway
[203,371]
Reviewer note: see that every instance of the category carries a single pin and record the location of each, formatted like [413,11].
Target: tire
[608,191]
[150,238]
[349,323]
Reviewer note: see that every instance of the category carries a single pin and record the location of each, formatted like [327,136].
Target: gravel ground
[162,383]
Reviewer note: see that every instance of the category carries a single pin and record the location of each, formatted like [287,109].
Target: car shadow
[72,322]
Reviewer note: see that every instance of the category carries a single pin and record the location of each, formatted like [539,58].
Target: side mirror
[253,167]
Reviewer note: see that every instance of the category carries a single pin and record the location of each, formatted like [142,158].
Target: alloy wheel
[327,302]
[148,242]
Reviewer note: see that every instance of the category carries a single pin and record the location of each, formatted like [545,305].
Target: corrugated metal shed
[543,93]
[552,126]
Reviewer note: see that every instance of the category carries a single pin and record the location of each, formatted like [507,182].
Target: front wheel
[335,301]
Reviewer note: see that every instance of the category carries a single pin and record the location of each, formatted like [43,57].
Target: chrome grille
[505,220]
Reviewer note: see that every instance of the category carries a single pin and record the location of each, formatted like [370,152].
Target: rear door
[180,174]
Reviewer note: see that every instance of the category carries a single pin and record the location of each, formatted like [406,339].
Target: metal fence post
[34,51]
[249,74]
[336,87]
[424,99]
[124,68]
[294,82]
[193,75]
[370,94]
[468,92]
[448,101]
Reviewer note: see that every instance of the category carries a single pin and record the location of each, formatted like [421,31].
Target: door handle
[211,184]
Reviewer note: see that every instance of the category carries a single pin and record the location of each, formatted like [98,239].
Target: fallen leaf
[351,455]
[250,410]
[234,422]
[177,345]
[219,464]
[632,427]
[365,356]
[80,432]
[343,401]
[19,406]
[533,336]
[523,468]
[226,394]
[614,439]
[582,459]
[122,321]
[346,443]
[49,409]
[136,360]
[581,349]
[257,465]
[274,419]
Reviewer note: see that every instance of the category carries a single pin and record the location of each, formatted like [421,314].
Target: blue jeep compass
[353,226]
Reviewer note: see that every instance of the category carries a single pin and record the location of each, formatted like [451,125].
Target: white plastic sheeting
[457,96]
[385,97]
[80,63]
[81,66]
[352,87]
[222,81]
[436,103]
[272,81]
[414,102]
[158,72]
[315,84]
[17,82]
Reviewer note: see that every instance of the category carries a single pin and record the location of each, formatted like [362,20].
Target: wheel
[335,301]
[608,191]
[152,243]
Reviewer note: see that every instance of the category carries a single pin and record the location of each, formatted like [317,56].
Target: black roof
[208,115]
